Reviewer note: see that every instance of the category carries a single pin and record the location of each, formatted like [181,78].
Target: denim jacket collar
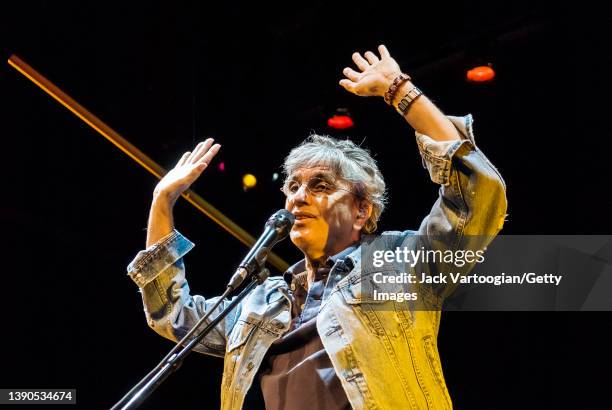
[350,256]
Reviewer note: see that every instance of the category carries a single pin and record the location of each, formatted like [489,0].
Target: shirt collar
[300,266]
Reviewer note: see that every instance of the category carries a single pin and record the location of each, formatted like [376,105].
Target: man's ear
[364,211]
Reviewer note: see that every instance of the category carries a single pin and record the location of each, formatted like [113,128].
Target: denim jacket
[385,358]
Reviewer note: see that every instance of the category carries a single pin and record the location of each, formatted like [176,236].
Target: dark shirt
[296,372]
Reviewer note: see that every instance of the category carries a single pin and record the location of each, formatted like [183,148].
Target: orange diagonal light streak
[107,132]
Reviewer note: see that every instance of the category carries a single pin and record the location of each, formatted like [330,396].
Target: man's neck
[311,267]
[314,263]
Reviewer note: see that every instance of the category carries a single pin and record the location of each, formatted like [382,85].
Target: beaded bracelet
[399,80]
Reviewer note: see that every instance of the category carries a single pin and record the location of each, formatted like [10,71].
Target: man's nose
[301,195]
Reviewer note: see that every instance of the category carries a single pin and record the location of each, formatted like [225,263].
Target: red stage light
[340,122]
[480,74]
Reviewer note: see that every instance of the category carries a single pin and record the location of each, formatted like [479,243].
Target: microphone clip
[255,266]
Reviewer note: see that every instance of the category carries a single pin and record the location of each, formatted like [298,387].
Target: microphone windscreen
[281,221]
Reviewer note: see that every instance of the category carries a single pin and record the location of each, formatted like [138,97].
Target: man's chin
[300,237]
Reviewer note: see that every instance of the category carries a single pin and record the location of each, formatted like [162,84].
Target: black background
[259,79]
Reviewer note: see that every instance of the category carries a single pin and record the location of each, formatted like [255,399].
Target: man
[309,339]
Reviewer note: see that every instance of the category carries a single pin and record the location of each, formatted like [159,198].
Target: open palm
[188,169]
[375,75]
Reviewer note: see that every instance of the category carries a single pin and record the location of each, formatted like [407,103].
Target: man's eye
[321,187]
[293,187]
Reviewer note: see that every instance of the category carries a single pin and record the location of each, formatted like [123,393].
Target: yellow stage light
[249,181]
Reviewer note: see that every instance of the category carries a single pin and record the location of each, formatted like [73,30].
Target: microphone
[277,228]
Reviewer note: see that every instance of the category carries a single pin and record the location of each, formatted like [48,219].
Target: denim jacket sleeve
[170,309]
[471,206]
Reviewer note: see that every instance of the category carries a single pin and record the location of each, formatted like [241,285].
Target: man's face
[325,211]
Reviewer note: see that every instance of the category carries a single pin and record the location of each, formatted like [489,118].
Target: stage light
[221,166]
[480,74]
[275,176]
[249,181]
[340,122]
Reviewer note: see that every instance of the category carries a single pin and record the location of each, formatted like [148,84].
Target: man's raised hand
[187,169]
[374,75]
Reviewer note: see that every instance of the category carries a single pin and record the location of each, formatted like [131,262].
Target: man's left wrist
[394,86]
[401,91]
[389,79]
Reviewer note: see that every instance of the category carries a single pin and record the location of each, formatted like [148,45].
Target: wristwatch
[408,99]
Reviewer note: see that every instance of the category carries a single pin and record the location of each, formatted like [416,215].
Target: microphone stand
[175,357]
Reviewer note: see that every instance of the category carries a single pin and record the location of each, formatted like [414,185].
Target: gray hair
[347,161]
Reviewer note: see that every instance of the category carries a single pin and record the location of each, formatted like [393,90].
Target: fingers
[372,59]
[348,85]
[383,51]
[360,61]
[202,154]
[200,150]
[195,149]
[351,74]
[183,159]
[206,158]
